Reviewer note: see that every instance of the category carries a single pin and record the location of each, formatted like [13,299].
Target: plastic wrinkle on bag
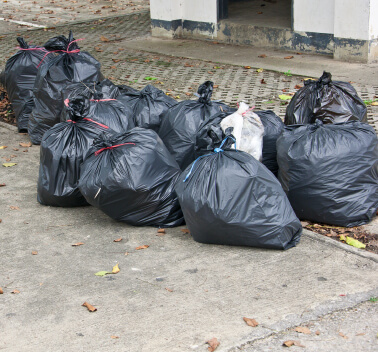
[68,65]
[230,198]
[326,100]
[180,124]
[104,106]
[147,106]
[330,172]
[131,178]
[273,126]
[18,79]
[62,151]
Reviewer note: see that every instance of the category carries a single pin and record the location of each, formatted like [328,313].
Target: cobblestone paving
[179,77]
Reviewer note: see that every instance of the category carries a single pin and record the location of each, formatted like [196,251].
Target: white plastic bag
[248,130]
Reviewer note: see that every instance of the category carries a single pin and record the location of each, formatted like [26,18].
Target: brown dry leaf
[262,56]
[118,240]
[290,343]
[113,67]
[3,146]
[25,151]
[359,334]
[114,337]
[77,244]
[25,145]
[247,67]
[1,221]
[14,207]
[210,73]
[289,57]
[161,231]
[299,53]
[15,291]
[297,86]
[317,332]
[213,344]
[89,306]
[104,39]
[98,49]
[304,223]
[1,291]
[34,252]
[303,330]
[284,90]
[116,269]
[2,184]
[142,247]
[15,149]
[263,81]
[185,230]
[127,253]
[116,60]
[250,322]
[342,335]
[215,86]
[188,94]
[168,289]
[260,13]
[188,65]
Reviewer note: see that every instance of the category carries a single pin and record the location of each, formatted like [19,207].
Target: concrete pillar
[184,18]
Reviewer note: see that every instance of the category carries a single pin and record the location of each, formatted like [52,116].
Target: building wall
[314,16]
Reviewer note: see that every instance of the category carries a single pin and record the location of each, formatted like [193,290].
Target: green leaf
[285,97]
[355,243]
[9,164]
[268,102]
[287,73]
[373,299]
[103,273]
[148,78]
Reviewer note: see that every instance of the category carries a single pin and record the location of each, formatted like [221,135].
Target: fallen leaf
[259,13]
[116,269]
[1,291]
[113,67]
[168,289]
[15,149]
[297,86]
[263,81]
[374,103]
[302,329]
[288,57]
[25,151]
[304,223]
[213,344]
[89,306]
[102,273]
[118,240]
[299,53]
[15,291]
[114,337]
[285,97]
[3,147]
[259,70]
[250,322]
[2,184]
[161,230]
[185,230]
[317,332]
[290,343]
[188,94]
[13,207]
[9,164]
[142,247]
[25,145]
[104,39]
[247,67]
[344,336]
[359,334]
[77,244]
[34,252]
[262,56]
[127,253]
[210,73]
[352,242]
[116,60]
[1,221]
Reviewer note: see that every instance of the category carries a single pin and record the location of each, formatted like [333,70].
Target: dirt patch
[334,232]
[6,110]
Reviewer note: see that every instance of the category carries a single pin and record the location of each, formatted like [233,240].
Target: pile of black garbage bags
[235,176]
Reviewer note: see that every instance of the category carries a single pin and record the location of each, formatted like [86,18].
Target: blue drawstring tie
[216,150]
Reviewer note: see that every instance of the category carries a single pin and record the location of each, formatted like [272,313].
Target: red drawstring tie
[71,121]
[29,49]
[63,51]
[113,146]
[250,109]
[66,101]
[97,123]
[98,100]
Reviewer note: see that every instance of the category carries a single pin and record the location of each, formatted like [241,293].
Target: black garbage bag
[18,79]
[330,172]
[62,150]
[326,100]
[273,127]
[71,65]
[228,197]
[123,89]
[148,106]
[131,178]
[103,107]
[180,123]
